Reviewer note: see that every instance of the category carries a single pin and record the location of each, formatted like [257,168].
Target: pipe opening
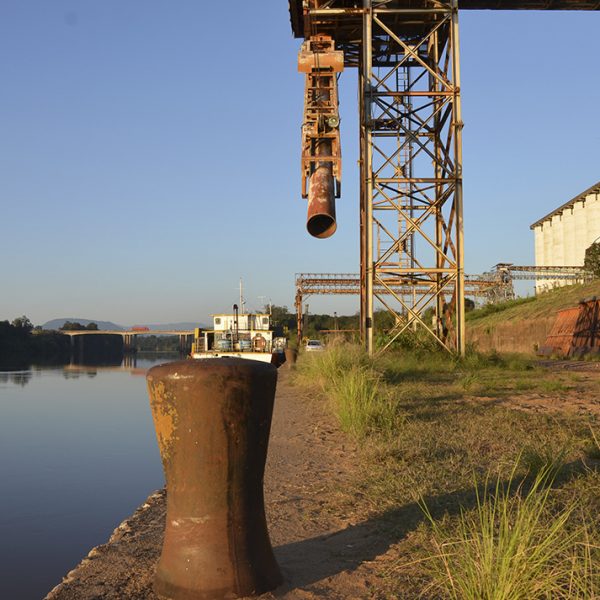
[321,226]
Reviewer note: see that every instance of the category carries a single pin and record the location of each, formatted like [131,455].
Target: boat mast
[242,301]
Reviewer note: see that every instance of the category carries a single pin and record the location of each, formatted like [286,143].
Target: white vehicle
[314,346]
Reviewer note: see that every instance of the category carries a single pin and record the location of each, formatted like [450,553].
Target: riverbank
[323,544]
[21,347]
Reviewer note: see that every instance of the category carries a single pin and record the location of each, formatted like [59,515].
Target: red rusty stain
[576,330]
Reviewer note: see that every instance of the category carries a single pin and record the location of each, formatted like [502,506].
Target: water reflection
[77,455]
[19,378]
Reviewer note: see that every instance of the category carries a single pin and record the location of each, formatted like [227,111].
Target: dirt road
[323,547]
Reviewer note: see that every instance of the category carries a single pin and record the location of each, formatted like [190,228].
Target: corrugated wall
[575,331]
[563,239]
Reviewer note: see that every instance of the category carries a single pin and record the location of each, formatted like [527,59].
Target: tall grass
[360,404]
[348,377]
[594,450]
[512,546]
[323,369]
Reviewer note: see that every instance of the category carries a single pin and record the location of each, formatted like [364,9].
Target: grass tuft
[537,458]
[510,547]
[593,448]
[360,405]
[349,378]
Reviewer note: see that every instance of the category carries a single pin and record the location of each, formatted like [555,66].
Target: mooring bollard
[291,354]
[212,420]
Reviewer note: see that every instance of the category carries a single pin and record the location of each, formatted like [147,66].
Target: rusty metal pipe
[320,221]
[212,420]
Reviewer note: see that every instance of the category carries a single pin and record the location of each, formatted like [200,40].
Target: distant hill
[58,323]
[109,325]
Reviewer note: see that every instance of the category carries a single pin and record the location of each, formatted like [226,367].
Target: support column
[458,192]
[367,181]
[299,317]
[411,172]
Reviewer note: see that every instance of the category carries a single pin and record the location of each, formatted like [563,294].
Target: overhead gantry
[490,286]
[411,205]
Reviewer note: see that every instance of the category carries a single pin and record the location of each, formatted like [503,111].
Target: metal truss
[476,286]
[411,193]
[536,273]
[492,287]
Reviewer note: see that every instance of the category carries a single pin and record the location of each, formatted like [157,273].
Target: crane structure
[411,198]
[488,286]
[492,286]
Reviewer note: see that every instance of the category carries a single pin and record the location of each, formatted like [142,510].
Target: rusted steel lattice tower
[411,223]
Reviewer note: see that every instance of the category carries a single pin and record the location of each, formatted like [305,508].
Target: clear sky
[149,152]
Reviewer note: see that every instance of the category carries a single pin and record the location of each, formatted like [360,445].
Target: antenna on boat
[242,301]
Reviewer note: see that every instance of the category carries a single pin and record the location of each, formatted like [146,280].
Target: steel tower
[411,205]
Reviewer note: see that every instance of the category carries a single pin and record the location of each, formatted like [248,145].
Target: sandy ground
[322,547]
[580,397]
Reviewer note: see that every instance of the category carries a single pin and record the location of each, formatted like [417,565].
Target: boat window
[265,320]
[217,320]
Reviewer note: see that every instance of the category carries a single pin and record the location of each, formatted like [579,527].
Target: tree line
[75,326]
[21,342]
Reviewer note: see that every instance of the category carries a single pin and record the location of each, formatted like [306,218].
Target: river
[78,454]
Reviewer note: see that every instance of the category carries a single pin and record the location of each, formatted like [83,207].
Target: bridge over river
[129,336]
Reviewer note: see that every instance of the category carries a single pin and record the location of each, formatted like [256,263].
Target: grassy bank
[467,484]
[534,307]
[522,325]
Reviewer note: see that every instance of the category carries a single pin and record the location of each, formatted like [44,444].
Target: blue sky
[150,152]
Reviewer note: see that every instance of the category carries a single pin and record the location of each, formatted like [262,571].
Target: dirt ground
[581,395]
[324,547]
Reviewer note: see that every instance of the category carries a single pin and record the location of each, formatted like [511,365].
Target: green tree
[592,260]
[23,323]
[92,326]
[279,314]
[70,326]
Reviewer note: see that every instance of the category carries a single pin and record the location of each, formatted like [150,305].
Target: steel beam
[342,18]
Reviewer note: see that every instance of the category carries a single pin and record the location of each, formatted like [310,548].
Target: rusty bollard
[291,354]
[212,420]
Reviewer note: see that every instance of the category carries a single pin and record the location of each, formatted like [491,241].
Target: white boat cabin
[248,332]
[245,322]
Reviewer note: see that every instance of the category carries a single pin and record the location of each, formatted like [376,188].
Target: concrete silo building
[562,236]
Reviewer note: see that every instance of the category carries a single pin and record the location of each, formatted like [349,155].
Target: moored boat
[247,335]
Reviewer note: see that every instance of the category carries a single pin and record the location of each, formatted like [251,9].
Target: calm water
[78,454]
